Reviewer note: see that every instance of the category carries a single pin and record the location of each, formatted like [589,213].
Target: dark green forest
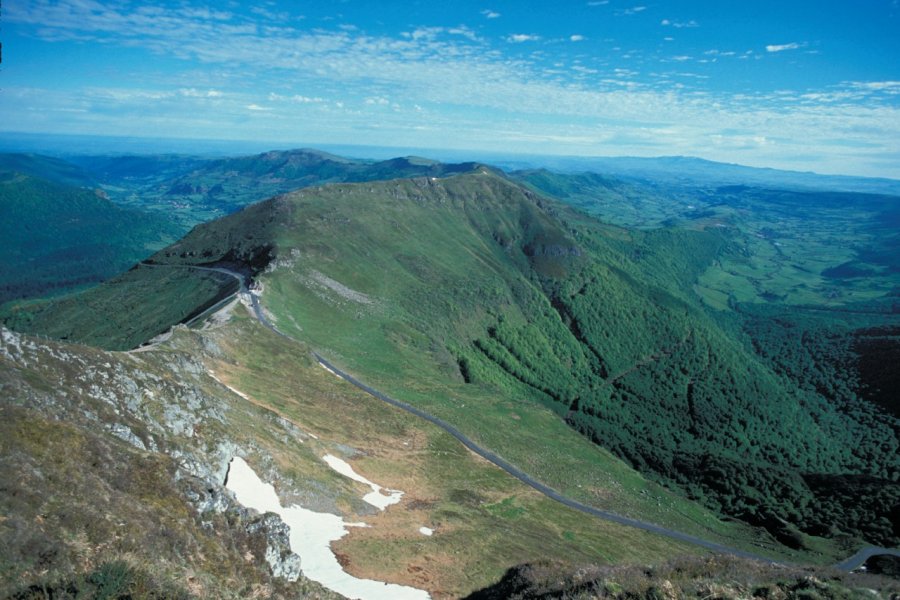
[57,237]
[785,420]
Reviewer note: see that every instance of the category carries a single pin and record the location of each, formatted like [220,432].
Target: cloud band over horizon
[195,71]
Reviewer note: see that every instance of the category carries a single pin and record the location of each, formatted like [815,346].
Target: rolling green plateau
[58,238]
[796,247]
[567,346]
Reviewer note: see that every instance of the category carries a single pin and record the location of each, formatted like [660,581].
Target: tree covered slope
[57,237]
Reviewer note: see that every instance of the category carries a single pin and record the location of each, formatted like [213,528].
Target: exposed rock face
[282,561]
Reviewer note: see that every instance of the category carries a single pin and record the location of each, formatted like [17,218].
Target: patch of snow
[376,498]
[311,534]
[426,531]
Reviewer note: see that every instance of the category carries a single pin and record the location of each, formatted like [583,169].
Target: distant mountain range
[689,171]
[684,169]
[64,232]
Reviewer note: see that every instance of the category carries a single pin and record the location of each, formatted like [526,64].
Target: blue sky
[808,85]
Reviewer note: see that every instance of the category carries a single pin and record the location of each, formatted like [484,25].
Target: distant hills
[48,168]
[686,170]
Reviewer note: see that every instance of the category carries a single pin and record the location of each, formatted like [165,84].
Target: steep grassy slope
[125,311]
[521,322]
[57,237]
[472,279]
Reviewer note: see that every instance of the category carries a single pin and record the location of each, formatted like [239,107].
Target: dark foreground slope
[477,299]
[719,577]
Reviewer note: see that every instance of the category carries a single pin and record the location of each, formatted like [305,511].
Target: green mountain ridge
[230,183]
[472,291]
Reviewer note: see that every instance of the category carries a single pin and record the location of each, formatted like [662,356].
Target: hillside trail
[848,564]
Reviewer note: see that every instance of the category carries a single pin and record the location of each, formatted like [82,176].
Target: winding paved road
[847,565]
[863,555]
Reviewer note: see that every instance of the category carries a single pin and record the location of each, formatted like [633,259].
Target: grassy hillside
[523,322]
[113,468]
[58,238]
[125,311]
[683,578]
[475,281]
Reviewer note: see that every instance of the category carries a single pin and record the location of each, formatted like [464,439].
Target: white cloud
[278,17]
[518,38]
[679,24]
[257,107]
[890,86]
[782,47]
[426,33]
[195,93]
[576,38]
[489,14]
[296,98]
[463,31]
[631,11]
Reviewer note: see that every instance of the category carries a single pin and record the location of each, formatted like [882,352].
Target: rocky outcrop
[282,561]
